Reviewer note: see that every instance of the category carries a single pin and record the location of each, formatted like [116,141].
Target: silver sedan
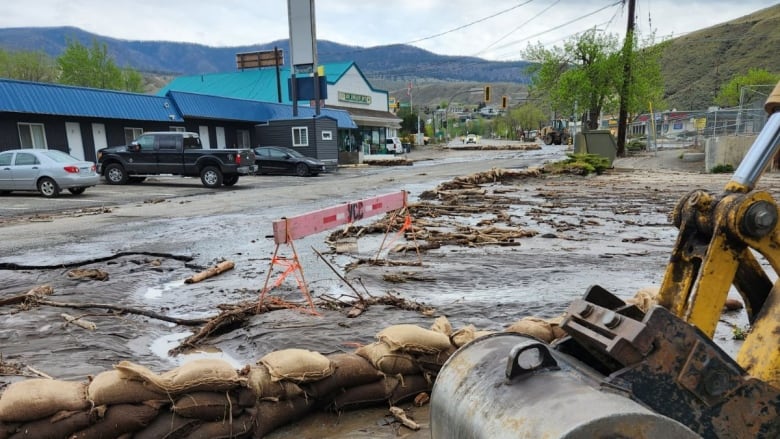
[46,171]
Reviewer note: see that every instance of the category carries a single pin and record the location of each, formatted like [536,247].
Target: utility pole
[628,49]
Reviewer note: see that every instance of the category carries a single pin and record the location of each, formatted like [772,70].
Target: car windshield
[59,156]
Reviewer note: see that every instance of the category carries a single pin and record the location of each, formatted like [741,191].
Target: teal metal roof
[255,84]
[54,99]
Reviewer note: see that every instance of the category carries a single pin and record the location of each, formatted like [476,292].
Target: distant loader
[555,133]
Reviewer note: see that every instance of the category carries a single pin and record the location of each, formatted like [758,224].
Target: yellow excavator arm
[714,250]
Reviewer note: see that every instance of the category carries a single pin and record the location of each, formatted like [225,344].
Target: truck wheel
[115,174]
[77,190]
[230,180]
[548,140]
[211,176]
[301,170]
[48,187]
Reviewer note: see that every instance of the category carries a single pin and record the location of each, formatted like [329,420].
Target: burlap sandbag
[365,395]
[533,327]
[120,419]
[349,370]
[442,324]
[409,387]
[432,363]
[9,428]
[414,339]
[208,406]
[168,426]
[205,374]
[38,398]
[136,372]
[259,380]
[463,335]
[645,298]
[58,426]
[298,365]
[386,360]
[272,415]
[110,387]
[239,427]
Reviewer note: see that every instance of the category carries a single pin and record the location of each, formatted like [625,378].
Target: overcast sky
[491,29]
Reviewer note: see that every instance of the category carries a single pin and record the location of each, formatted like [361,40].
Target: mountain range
[694,66]
[172,58]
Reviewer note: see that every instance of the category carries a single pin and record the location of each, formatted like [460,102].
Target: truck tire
[115,174]
[230,180]
[548,140]
[211,177]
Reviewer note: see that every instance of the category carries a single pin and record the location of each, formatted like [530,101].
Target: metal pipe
[759,155]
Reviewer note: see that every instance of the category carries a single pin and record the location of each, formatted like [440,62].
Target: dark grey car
[281,160]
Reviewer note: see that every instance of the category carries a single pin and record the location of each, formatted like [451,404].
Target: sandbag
[432,363]
[414,339]
[208,406]
[205,374]
[60,425]
[386,360]
[118,420]
[409,387]
[366,395]
[239,427]
[38,398]
[272,415]
[298,365]
[8,428]
[136,372]
[168,426]
[442,324]
[533,327]
[349,370]
[463,335]
[110,387]
[259,380]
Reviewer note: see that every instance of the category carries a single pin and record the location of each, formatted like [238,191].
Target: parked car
[393,145]
[281,160]
[47,171]
[177,153]
[471,138]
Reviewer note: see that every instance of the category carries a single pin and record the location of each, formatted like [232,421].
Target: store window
[32,135]
[132,134]
[242,139]
[300,136]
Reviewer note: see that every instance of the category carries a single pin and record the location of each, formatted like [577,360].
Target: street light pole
[449,103]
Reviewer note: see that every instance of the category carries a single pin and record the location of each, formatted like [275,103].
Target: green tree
[28,66]
[584,77]
[733,91]
[92,67]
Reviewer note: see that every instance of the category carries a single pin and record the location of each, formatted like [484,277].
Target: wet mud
[612,230]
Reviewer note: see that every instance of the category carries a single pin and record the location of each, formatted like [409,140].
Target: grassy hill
[695,66]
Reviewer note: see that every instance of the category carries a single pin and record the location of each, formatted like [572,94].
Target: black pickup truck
[177,153]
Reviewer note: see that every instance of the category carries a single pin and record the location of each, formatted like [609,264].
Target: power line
[519,26]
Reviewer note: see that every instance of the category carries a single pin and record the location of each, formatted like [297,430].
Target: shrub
[579,164]
[722,169]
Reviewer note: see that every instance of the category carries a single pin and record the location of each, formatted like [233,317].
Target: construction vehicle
[624,372]
[555,133]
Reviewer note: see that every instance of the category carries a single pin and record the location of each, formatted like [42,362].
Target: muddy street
[612,230]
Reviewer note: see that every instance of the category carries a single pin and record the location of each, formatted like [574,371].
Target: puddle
[158,291]
[162,345]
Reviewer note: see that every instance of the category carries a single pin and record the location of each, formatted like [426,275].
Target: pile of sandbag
[209,398]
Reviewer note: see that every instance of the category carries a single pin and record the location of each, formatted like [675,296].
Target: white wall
[353,82]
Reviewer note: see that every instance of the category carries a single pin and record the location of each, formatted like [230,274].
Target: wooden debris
[87,273]
[400,414]
[210,272]
[421,399]
[89,326]
[39,291]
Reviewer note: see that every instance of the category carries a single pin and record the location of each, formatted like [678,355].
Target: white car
[393,145]
[471,138]
[47,171]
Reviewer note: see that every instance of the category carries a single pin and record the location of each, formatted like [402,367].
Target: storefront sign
[354,98]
